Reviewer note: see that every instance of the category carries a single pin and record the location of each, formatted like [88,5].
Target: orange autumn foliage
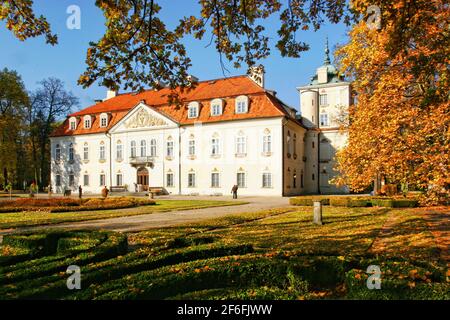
[399,125]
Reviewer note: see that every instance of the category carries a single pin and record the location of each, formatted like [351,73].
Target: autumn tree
[399,127]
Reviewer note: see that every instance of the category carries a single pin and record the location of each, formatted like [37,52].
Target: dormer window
[241,104]
[193,109]
[87,122]
[216,107]
[72,123]
[103,120]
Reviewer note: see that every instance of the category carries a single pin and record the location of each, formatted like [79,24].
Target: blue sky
[35,60]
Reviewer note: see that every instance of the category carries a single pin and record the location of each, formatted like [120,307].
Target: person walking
[105,192]
[234,191]
[80,191]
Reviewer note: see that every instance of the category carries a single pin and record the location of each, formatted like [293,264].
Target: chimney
[256,73]
[110,94]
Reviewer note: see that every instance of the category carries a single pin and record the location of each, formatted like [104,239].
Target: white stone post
[317,219]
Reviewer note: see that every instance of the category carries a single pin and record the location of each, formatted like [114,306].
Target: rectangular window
[193,112]
[73,125]
[267,180]
[240,145]
[324,119]
[169,179]
[323,100]
[267,144]
[216,110]
[102,153]
[86,180]
[119,179]
[85,153]
[192,147]
[191,180]
[215,180]
[170,148]
[241,107]
[71,180]
[102,180]
[58,180]
[87,124]
[215,147]
[241,180]
[119,153]
[103,122]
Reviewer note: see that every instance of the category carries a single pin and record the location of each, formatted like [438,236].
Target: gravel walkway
[167,219]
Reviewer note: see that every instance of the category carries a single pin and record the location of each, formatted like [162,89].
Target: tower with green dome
[324,102]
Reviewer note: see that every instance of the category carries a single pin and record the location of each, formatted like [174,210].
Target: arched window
[58,152]
[72,123]
[216,107]
[153,147]
[104,120]
[267,142]
[87,122]
[169,147]
[143,148]
[241,178]
[86,151]
[71,178]
[193,110]
[102,151]
[288,141]
[119,150]
[294,179]
[215,179]
[241,104]
[71,152]
[191,146]
[241,144]
[133,149]
[295,143]
[215,145]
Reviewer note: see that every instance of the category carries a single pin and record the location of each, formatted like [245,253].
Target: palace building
[227,131]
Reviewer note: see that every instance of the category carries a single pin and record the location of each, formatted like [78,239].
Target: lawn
[34,218]
[272,254]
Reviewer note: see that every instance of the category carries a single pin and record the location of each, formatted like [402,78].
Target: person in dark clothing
[80,191]
[234,191]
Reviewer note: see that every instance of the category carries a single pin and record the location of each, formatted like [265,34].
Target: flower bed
[67,205]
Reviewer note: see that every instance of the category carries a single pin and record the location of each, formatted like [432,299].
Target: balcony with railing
[141,161]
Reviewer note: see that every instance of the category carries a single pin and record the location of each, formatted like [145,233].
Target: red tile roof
[262,104]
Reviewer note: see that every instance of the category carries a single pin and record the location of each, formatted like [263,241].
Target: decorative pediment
[143,119]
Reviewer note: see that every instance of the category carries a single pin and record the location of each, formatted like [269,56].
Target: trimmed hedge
[115,244]
[96,275]
[349,201]
[309,201]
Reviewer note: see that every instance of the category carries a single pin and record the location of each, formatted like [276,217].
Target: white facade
[229,137]
[206,159]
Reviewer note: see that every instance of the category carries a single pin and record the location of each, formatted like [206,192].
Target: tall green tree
[13,103]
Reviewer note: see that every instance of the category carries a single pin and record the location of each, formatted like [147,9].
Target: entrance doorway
[142,178]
